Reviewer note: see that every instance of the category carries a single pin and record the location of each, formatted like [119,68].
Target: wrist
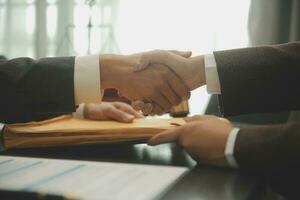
[109,72]
[198,72]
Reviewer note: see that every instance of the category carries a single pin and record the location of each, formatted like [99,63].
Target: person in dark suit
[250,80]
[106,110]
[48,87]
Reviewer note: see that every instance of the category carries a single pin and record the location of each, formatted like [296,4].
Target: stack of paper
[86,180]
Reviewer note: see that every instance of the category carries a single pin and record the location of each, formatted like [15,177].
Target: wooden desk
[202,182]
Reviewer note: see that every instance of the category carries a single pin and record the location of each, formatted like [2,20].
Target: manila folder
[66,130]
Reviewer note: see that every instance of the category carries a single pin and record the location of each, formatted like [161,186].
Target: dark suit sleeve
[268,147]
[36,89]
[272,151]
[260,79]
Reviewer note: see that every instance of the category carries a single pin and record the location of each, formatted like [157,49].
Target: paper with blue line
[87,180]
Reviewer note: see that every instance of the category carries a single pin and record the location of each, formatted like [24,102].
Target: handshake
[154,81]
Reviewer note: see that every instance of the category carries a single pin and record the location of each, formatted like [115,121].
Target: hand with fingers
[154,91]
[189,70]
[117,111]
[203,137]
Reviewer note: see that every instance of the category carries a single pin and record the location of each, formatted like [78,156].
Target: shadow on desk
[128,153]
[202,182]
[217,183]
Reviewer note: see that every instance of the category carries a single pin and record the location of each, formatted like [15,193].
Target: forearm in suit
[260,79]
[273,151]
[268,148]
[36,89]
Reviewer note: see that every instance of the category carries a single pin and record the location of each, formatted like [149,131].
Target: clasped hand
[190,71]
[154,81]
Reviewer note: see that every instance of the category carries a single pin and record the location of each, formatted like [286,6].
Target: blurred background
[39,28]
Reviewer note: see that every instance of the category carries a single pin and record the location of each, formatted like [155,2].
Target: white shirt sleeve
[229,148]
[213,87]
[79,112]
[87,88]
[2,148]
[211,75]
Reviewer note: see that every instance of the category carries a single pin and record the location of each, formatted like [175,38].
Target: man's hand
[118,111]
[157,86]
[203,137]
[190,70]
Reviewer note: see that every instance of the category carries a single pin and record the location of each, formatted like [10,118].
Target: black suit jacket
[259,80]
[36,89]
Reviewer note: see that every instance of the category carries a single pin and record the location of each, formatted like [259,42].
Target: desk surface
[202,182]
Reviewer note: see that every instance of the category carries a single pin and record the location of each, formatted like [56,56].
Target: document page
[87,180]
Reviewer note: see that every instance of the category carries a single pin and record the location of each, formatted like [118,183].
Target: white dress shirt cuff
[79,114]
[229,149]
[2,147]
[87,88]
[211,75]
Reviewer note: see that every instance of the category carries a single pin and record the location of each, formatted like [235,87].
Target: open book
[67,130]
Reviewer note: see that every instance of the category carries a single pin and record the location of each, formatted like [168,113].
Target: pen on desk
[18,195]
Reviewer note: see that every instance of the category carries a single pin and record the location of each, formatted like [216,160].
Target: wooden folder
[67,130]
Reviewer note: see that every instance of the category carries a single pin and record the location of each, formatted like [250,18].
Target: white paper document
[87,180]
